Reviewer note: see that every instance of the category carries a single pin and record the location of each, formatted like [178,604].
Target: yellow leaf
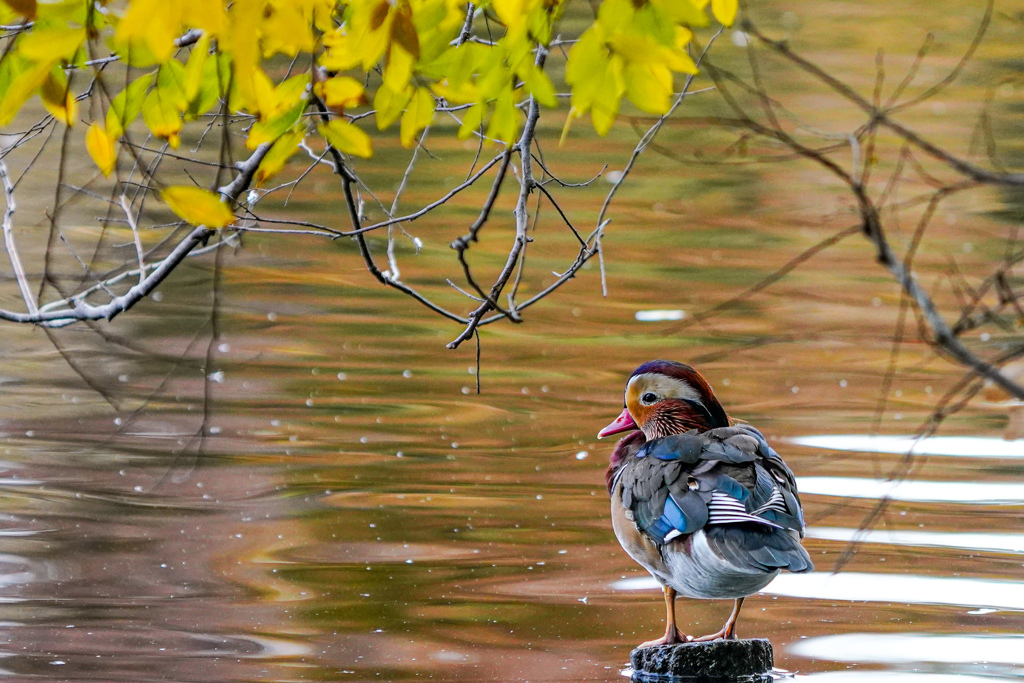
[102,148]
[340,55]
[389,104]
[198,206]
[279,153]
[287,27]
[51,44]
[399,69]
[689,12]
[57,98]
[513,13]
[649,86]
[724,11]
[347,137]
[371,32]
[342,92]
[617,13]
[156,23]
[207,15]
[417,116]
[241,43]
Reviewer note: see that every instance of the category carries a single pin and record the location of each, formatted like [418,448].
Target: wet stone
[719,659]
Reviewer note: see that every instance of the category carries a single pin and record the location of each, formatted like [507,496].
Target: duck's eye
[648,398]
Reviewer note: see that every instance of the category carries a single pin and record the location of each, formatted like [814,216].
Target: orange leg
[672,634]
[728,631]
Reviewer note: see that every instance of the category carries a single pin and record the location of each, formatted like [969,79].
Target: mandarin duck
[701,501]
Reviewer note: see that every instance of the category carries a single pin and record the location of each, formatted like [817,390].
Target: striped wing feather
[727,481]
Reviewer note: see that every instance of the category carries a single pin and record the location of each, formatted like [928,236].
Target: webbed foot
[670,638]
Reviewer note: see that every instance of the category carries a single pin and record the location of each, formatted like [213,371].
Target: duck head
[664,397]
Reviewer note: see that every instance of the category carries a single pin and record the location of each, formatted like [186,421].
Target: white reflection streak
[901,589]
[1011,543]
[982,493]
[659,315]
[894,677]
[954,446]
[906,648]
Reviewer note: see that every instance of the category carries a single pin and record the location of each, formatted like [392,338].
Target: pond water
[357,512]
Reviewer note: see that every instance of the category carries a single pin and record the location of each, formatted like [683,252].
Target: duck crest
[679,415]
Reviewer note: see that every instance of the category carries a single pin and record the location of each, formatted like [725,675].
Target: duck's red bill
[623,423]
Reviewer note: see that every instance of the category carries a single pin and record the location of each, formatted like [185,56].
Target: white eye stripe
[663,386]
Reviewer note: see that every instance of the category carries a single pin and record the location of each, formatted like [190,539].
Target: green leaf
[162,117]
[504,123]
[195,69]
[417,116]
[126,107]
[282,150]
[170,80]
[267,131]
[471,120]
[210,84]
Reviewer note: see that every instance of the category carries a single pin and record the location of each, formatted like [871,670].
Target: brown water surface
[358,513]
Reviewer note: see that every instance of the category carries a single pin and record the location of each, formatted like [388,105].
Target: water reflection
[983,541]
[906,648]
[895,588]
[955,446]
[915,491]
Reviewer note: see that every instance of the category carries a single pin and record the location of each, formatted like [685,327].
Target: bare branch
[9,244]
[972,171]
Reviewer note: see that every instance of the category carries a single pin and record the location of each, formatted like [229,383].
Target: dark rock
[716,659]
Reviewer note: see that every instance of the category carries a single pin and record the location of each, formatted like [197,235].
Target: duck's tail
[753,546]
